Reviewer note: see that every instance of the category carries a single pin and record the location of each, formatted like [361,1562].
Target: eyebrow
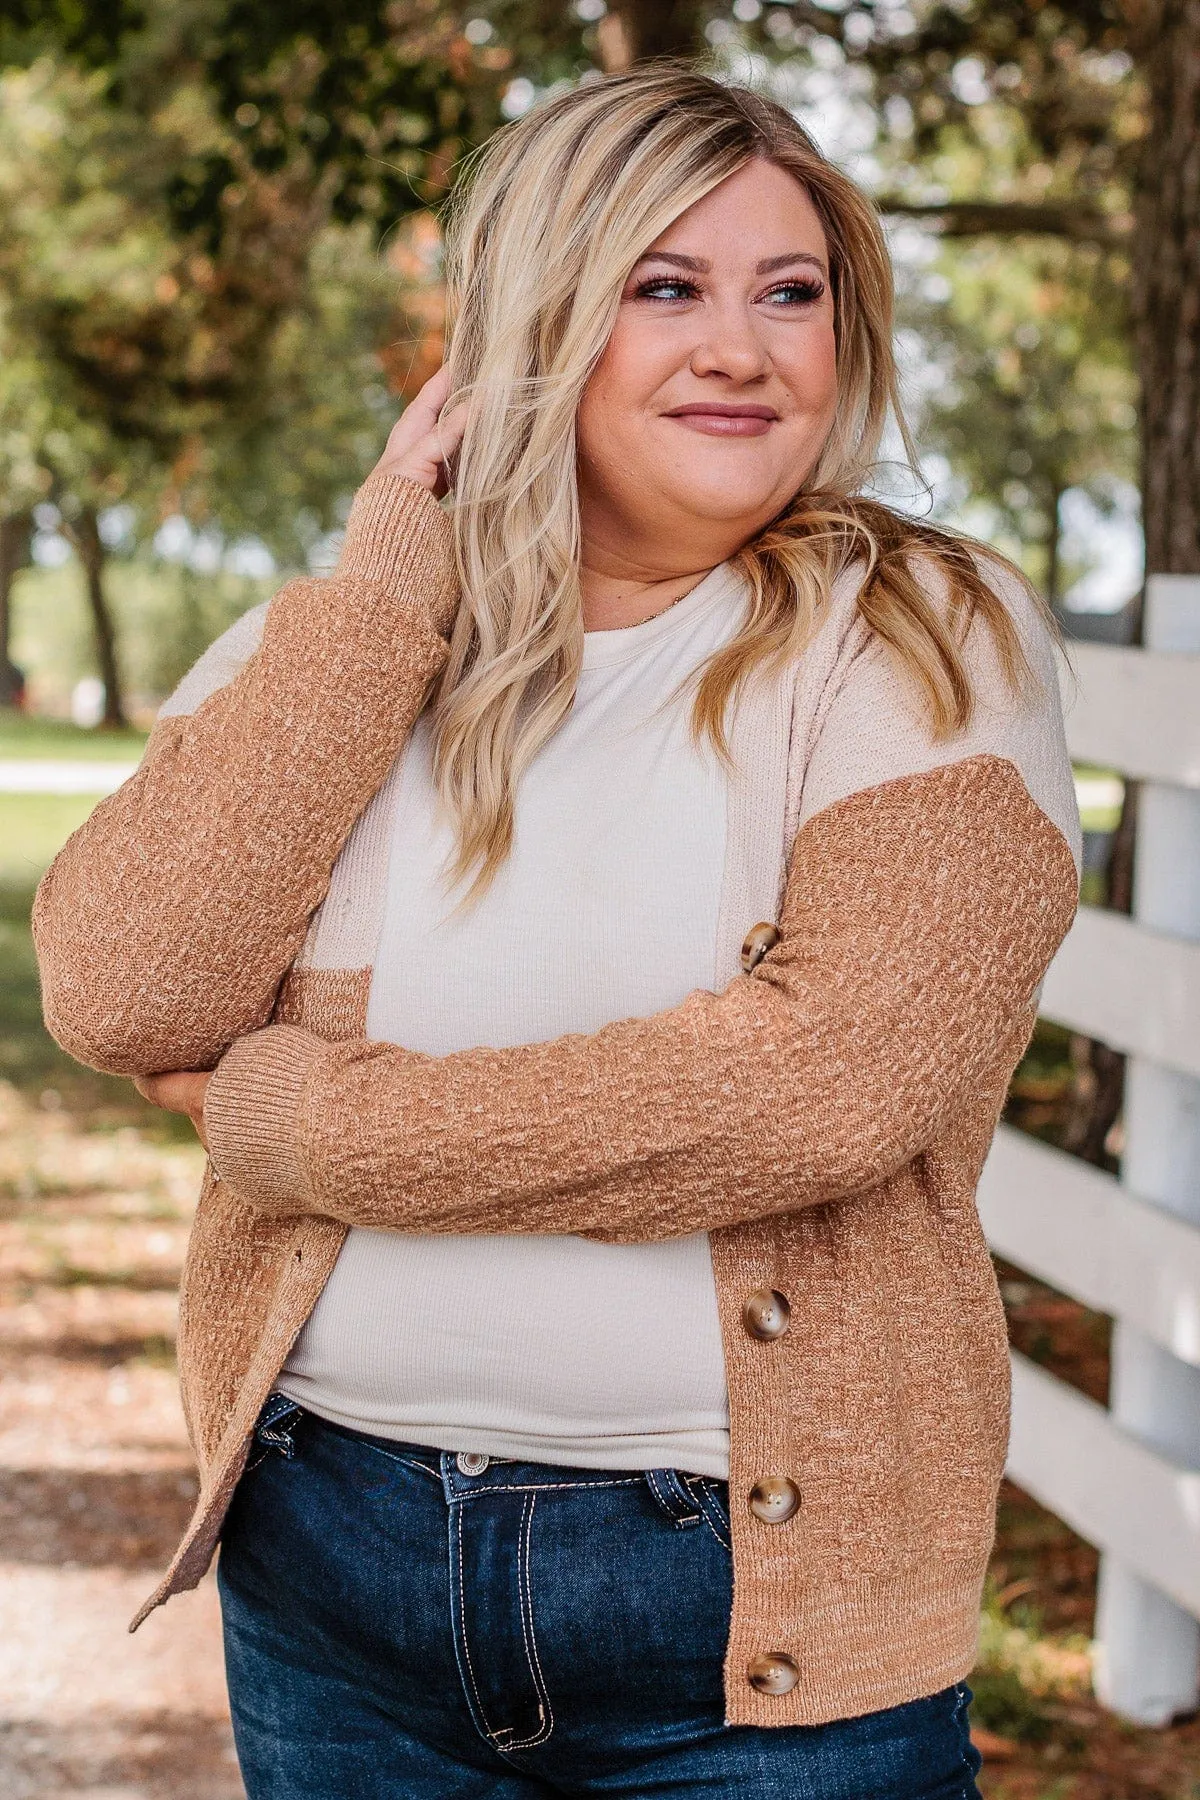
[701,267]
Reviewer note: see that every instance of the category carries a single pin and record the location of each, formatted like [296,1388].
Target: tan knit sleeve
[166,923]
[918,919]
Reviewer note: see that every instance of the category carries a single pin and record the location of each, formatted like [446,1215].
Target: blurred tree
[371,101]
[1029,390]
[285,473]
[1101,100]
[16,530]
[127,342]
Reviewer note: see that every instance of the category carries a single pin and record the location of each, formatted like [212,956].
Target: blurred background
[219,280]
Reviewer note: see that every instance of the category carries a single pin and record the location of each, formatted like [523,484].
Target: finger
[429,459]
[420,414]
[173,1090]
[443,441]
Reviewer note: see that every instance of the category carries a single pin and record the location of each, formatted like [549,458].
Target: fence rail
[1135,710]
[1115,1492]
[1080,1230]
[1127,1476]
[1135,988]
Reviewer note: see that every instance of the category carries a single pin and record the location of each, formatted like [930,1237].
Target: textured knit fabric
[551,1347]
[824,1117]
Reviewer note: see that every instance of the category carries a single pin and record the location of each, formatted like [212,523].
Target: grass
[164,617]
[33,827]
[24,737]
[1024,1674]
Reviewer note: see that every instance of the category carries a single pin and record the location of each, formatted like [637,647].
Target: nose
[730,344]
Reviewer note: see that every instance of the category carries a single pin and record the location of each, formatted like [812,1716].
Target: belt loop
[276,1422]
[673,1497]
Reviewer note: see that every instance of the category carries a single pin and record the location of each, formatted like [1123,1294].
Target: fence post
[1148,1648]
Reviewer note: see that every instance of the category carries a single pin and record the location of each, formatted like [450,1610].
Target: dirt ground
[96,1479]
[96,1482]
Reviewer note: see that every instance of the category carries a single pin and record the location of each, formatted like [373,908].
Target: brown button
[759,939]
[774,1499]
[772,1672]
[766,1314]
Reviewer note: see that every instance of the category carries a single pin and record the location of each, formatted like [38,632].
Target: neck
[625,578]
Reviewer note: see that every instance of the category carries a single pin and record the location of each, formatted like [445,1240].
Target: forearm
[895,986]
[627,1134]
[166,923]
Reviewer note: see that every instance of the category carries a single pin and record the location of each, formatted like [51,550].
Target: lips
[720,410]
[716,418]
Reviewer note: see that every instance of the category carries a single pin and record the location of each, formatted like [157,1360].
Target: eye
[801,292]
[652,287]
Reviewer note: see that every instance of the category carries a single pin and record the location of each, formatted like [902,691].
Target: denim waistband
[466,1476]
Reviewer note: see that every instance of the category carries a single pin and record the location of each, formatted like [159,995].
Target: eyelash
[810,290]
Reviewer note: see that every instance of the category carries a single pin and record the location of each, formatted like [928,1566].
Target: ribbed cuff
[400,537]
[252,1117]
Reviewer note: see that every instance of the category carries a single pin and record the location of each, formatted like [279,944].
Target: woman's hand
[181,1091]
[421,446]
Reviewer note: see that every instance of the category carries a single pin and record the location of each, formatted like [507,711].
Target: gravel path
[96,1478]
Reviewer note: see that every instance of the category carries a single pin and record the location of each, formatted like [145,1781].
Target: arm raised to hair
[166,923]
[918,919]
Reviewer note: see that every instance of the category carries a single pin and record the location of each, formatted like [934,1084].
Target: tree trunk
[15,530]
[86,533]
[646,28]
[1053,548]
[1167,286]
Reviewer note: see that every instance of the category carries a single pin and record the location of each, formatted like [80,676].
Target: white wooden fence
[1127,1477]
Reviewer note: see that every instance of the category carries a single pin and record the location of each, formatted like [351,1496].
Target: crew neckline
[600,648]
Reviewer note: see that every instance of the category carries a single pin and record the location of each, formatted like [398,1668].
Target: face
[717,388]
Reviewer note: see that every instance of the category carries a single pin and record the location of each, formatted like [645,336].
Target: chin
[732,506]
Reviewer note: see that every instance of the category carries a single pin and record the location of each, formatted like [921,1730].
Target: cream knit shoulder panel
[864,721]
[856,721]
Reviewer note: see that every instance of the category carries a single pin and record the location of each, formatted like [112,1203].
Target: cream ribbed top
[553,1348]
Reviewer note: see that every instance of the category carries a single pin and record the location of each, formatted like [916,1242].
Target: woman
[594,931]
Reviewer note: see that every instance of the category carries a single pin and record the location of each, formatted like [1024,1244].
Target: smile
[718,423]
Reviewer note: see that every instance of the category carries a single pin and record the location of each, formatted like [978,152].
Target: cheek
[617,393]
[812,375]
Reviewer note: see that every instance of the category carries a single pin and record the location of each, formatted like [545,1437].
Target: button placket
[764,1314]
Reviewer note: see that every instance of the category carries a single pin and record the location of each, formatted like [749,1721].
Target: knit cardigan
[824,1116]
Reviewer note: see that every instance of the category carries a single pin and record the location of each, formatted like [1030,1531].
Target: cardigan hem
[861,1646]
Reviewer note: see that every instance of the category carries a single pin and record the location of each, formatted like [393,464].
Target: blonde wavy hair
[542,230]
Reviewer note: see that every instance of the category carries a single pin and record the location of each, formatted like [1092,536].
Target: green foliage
[193,300]
[1031,389]
[285,474]
[366,101]
[1023,1676]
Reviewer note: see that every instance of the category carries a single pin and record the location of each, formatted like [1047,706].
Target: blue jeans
[400,1622]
